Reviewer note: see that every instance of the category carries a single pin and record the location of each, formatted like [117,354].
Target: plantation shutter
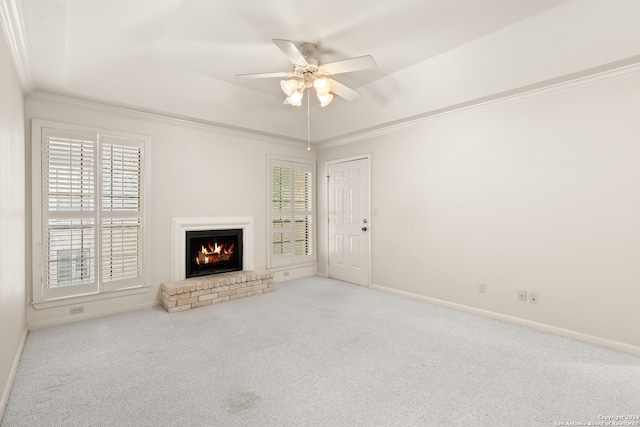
[291,212]
[92,203]
[303,211]
[69,211]
[121,212]
[281,192]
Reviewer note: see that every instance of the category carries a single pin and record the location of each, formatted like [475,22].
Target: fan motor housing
[308,50]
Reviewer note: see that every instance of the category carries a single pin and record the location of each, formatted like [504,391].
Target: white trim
[293,272]
[37,124]
[591,339]
[90,315]
[12,373]
[572,82]
[493,101]
[37,237]
[91,297]
[170,119]
[366,157]
[288,159]
[349,159]
[179,227]
[14,30]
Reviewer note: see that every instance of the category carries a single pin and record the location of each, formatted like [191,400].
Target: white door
[349,221]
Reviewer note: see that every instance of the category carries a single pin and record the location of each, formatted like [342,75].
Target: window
[88,205]
[291,212]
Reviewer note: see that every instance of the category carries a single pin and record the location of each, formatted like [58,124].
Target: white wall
[540,194]
[197,171]
[562,41]
[12,221]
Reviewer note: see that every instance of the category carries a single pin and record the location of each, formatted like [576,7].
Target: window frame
[65,295]
[276,262]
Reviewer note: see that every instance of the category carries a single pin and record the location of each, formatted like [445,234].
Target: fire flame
[214,253]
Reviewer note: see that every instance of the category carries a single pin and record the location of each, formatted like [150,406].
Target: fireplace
[213,251]
[180,226]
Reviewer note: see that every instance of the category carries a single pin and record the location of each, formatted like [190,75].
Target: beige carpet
[315,352]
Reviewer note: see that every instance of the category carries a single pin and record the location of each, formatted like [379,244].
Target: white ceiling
[181,57]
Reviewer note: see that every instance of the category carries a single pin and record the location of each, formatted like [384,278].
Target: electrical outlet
[285,274]
[482,288]
[522,295]
[76,310]
[533,297]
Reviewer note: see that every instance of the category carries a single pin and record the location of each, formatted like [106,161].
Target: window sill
[80,299]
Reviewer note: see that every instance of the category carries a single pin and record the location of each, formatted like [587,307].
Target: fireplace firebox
[213,251]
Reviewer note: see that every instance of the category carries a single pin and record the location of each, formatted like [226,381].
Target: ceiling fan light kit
[294,89]
[325,99]
[307,73]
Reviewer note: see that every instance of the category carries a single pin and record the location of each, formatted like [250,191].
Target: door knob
[364,228]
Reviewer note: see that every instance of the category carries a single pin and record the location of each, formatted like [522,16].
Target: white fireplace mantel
[180,226]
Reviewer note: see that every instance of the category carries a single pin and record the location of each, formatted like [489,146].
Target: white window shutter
[121,249]
[71,252]
[121,176]
[281,213]
[121,212]
[303,211]
[291,213]
[92,203]
[70,165]
[69,212]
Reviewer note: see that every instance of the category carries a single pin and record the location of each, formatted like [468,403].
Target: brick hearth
[181,295]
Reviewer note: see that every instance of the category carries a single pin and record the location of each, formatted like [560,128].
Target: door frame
[367,157]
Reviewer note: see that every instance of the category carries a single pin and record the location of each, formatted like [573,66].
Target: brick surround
[181,295]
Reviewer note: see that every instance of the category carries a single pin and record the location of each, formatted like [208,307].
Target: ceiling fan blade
[343,91]
[348,65]
[266,75]
[291,51]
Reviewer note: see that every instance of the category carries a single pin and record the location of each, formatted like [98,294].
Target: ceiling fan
[307,73]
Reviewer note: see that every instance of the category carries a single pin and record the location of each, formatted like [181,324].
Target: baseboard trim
[287,273]
[90,315]
[591,339]
[12,374]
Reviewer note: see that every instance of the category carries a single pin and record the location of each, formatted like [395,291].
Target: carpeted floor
[316,352]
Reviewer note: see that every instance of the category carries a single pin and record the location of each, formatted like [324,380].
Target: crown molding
[615,71]
[167,119]
[609,72]
[13,26]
